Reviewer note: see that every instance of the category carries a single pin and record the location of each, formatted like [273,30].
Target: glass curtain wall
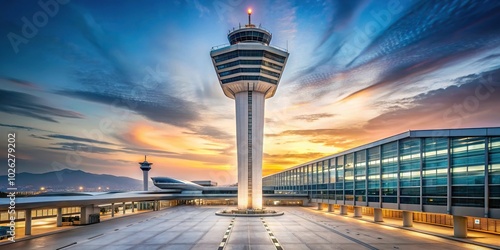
[422,165]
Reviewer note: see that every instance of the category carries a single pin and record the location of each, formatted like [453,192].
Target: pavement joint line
[423,232]
[95,236]
[71,244]
[225,238]
[274,240]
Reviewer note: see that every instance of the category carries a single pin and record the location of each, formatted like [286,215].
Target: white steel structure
[249,71]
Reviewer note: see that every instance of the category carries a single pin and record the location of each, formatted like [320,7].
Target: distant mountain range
[71,180]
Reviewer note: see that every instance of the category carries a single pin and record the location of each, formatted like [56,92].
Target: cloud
[313,117]
[23,127]
[89,148]
[23,104]
[296,156]
[277,162]
[394,76]
[443,22]
[202,9]
[446,34]
[19,82]
[212,133]
[147,151]
[427,38]
[307,132]
[115,79]
[489,57]
[340,138]
[78,139]
[166,109]
[339,18]
[342,16]
[287,22]
[469,103]
[81,147]
[40,137]
[106,46]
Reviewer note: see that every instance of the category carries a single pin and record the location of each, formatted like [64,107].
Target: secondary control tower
[145,167]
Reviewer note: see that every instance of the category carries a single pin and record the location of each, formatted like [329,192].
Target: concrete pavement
[197,227]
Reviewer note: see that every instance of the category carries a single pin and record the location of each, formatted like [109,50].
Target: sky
[96,85]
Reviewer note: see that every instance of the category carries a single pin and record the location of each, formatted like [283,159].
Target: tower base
[249,213]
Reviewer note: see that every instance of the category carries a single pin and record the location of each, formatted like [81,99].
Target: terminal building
[454,172]
[448,177]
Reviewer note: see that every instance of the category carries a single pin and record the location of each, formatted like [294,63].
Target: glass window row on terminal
[413,170]
[250,62]
[249,70]
[38,213]
[249,53]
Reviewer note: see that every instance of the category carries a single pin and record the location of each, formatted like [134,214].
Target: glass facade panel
[468,159]
[409,175]
[339,186]
[434,171]
[340,169]
[389,172]
[373,159]
[332,170]
[360,176]
[349,177]
[494,172]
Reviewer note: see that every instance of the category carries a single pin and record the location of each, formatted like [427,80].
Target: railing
[279,48]
[227,45]
[244,27]
[220,46]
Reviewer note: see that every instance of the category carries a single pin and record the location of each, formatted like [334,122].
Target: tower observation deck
[249,71]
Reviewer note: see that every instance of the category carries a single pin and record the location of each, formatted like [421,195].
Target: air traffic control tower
[249,71]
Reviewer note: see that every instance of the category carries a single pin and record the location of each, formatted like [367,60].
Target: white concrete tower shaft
[249,137]
[145,180]
[249,71]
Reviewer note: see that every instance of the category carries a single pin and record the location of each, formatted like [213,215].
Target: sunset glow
[97,90]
